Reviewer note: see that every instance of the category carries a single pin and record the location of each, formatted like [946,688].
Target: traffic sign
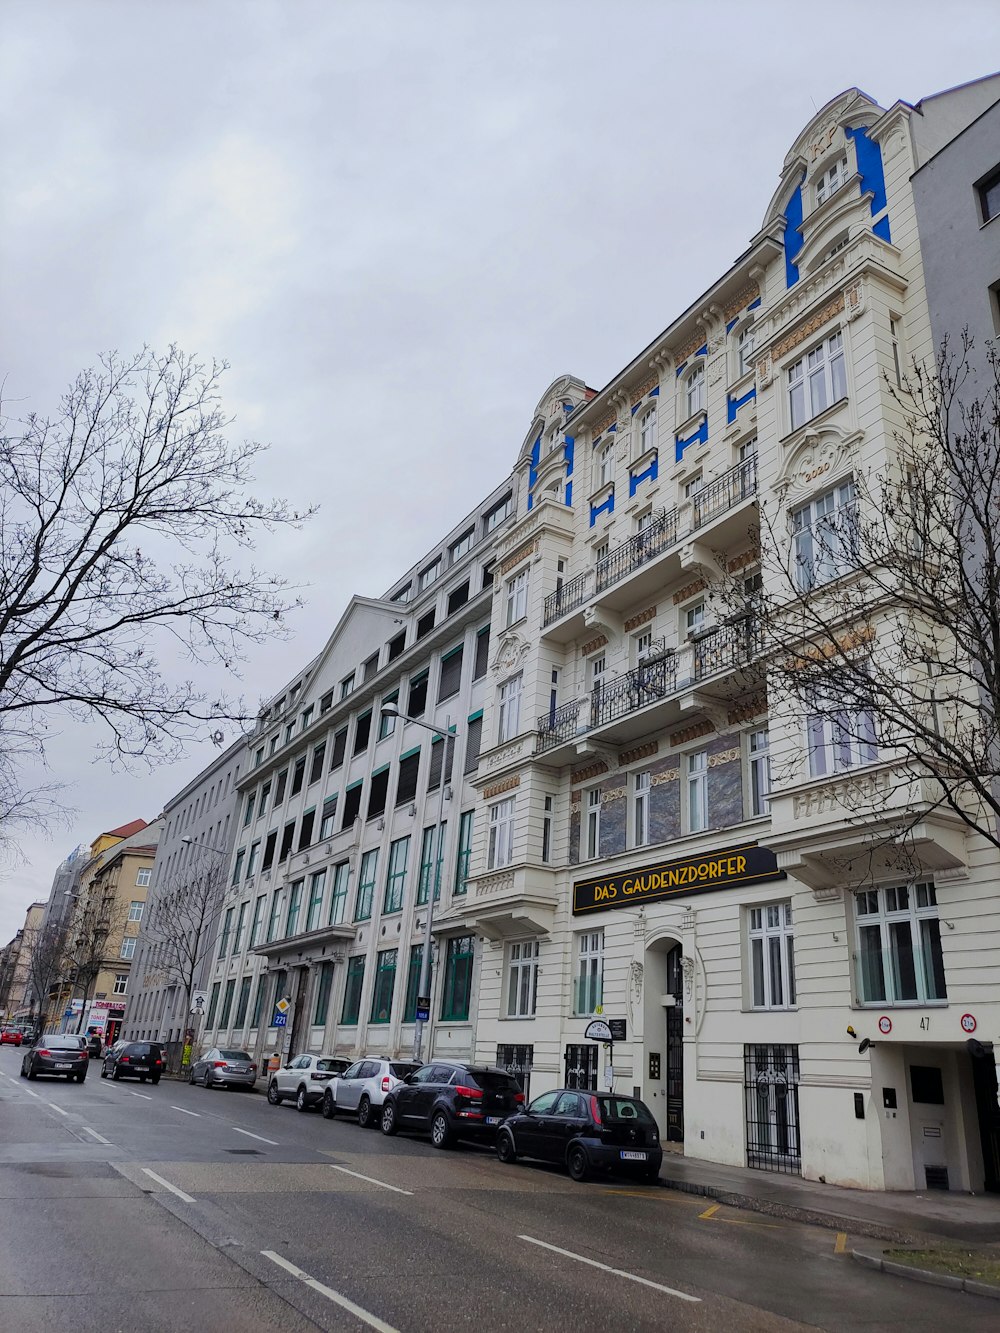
[423,1011]
[279,1020]
[598,1030]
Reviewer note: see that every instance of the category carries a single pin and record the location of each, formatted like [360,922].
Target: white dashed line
[57,1108]
[184,1111]
[167,1185]
[258,1137]
[371,1320]
[143,1095]
[99,1137]
[616,1272]
[32,1094]
[371,1180]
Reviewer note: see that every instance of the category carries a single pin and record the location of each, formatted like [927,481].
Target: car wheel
[651,1175]
[329,1106]
[155,1080]
[301,1099]
[389,1125]
[142,1078]
[506,1151]
[576,1163]
[32,1073]
[191,1075]
[104,1072]
[116,1074]
[365,1117]
[79,1077]
[208,1078]
[440,1130]
[273,1095]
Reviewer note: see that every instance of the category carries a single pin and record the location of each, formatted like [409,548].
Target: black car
[585,1131]
[450,1100]
[64,1055]
[134,1059]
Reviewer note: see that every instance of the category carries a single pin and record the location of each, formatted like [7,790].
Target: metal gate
[771,1094]
[581,1066]
[517,1062]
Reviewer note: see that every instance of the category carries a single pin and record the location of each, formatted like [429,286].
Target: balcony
[518,901]
[665,531]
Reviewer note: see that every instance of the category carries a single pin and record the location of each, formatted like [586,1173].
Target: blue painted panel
[681,368]
[569,450]
[613,427]
[881,228]
[655,393]
[793,236]
[733,405]
[636,406]
[569,492]
[699,437]
[608,507]
[702,350]
[536,450]
[870,166]
[635,480]
[754,304]
[732,324]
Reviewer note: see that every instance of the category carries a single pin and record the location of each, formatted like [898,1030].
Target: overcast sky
[398,222]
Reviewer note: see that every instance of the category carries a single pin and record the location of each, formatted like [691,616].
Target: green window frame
[227,1002]
[294,907]
[258,920]
[328,818]
[227,926]
[258,1000]
[456,997]
[238,934]
[243,1002]
[338,897]
[274,920]
[238,865]
[395,880]
[427,868]
[465,825]
[413,982]
[352,990]
[386,721]
[323,988]
[317,887]
[385,984]
[366,885]
[213,1004]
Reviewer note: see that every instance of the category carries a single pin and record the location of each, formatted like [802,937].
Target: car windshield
[334,1066]
[400,1071]
[63,1043]
[235,1055]
[491,1080]
[624,1108]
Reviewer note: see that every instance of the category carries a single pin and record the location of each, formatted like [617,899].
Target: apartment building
[659,842]
[340,839]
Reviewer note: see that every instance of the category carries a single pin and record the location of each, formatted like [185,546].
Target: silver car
[362,1089]
[304,1079]
[218,1068]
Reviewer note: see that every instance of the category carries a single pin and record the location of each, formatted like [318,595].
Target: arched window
[647,429]
[695,390]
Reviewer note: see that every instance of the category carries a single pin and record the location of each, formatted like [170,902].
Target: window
[265,796]
[277,906]
[338,898]
[457,990]
[522,978]
[387,721]
[258,1000]
[693,485]
[760,772]
[128,947]
[816,380]
[899,958]
[501,843]
[241,917]
[347,685]
[429,871]
[294,907]
[395,880]
[589,971]
[362,732]
[428,575]
[647,430]
[606,464]
[598,668]
[640,808]
[279,789]
[695,390]
[326,702]
[289,732]
[317,885]
[135,910]
[593,823]
[744,350]
[257,924]
[227,927]
[252,859]
[406,782]
[324,986]
[482,653]
[366,885]
[694,618]
[298,775]
[121,984]
[143,878]
[989,196]
[307,716]
[213,1004]
[328,818]
[465,826]
[772,958]
[352,804]
[839,737]
[426,623]
[495,516]
[352,990]
[339,749]
[601,553]
[396,646]
[378,792]
[370,667]
[824,537]
[401,594]
[242,1002]
[517,597]
[696,766]
[473,743]
[417,701]
[385,983]
[316,770]
[413,983]
[287,838]
[451,674]
[831,180]
[547,808]
[461,545]
[510,709]
[438,749]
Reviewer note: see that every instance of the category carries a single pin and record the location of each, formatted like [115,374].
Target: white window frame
[817,380]
[143,878]
[745,348]
[593,825]
[759,772]
[641,787]
[135,909]
[430,574]
[517,597]
[588,990]
[495,516]
[771,956]
[463,545]
[521,991]
[509,715]
[839,739]
[128,947]
[605,464]
[694,618]
[696,784]
[120,986]
[694,390]
[597,668]
[500,852]
[834,178]
[647,429]
[899,910]
[823,536]
[642,645]
[548,808]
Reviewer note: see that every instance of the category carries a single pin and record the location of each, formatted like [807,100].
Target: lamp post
[423,990]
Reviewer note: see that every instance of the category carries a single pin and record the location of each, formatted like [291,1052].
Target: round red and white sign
[885,1025]
[968,1023]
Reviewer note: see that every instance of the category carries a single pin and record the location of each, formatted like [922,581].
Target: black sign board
[423,1009]
[617,1026]
[748,864]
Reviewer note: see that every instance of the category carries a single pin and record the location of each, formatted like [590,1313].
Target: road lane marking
[143,1095]
[617,1272]
[167,1185]
[840,1244]
[99,1137]
[259,1137]
[371,1180]
[57,1108]
[32,1094]
[184,1111]
[711,1211]
[365,1316]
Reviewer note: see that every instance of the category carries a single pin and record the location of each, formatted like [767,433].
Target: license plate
[141,1069]
[239,1069]
[633,1156]
[493,1119]
[64,1066]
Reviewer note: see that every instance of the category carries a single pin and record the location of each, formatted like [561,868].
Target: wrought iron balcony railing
[659,533]
[568,597]
[558,725]
[726,647]
[726,492]
[651,680]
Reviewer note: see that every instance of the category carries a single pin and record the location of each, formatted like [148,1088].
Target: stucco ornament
[510,654]
[687,968]
[634,989]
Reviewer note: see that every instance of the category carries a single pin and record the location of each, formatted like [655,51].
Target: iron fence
[653,679]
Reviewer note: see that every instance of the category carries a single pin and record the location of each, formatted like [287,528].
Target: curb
[927,1275]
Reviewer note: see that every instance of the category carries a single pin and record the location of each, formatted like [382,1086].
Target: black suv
[450,1100]
[134,1059]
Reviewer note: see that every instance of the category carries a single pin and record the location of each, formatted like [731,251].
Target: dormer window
[695,390]
[831,180]
[647,430]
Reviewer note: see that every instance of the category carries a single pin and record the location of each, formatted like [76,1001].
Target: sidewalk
[899,1217]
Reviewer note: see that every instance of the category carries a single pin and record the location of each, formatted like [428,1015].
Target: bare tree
[881,617]
[123,521]
[99,918]
[46,957]
[181,926]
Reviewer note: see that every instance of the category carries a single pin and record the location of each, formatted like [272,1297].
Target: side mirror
[408,1078]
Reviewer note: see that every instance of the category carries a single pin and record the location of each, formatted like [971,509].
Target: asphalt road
[124,1207]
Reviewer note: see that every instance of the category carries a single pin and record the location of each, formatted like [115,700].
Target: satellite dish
[865,1043]
[975,1048]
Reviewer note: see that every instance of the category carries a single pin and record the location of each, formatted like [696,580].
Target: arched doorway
[664,1035]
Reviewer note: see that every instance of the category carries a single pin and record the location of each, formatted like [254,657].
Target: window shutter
[474,738]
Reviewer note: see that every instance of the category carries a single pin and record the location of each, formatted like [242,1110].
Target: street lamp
[392,710]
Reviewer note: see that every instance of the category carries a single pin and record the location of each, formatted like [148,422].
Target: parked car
[450,1100]
[224,1068]
[305,1079]
[64,1054]
[363,1088]
[11,1036]
[584,1131]
[134,1059]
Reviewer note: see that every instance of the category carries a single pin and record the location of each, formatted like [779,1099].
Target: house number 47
[925,1024]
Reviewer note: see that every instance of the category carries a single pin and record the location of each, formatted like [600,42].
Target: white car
[305,1079]
[362,1089]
